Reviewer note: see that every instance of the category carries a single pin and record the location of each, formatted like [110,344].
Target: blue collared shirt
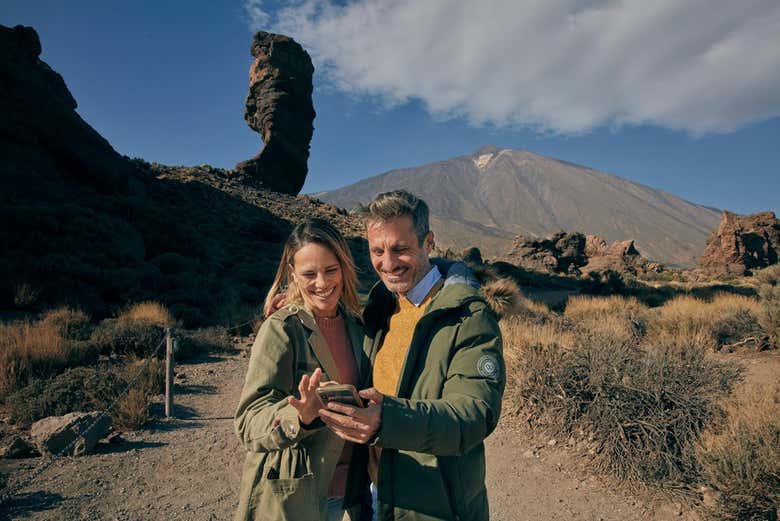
[417,294]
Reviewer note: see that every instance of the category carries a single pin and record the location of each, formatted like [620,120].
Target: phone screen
[341,394]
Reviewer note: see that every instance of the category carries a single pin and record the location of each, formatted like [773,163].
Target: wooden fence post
[168,373]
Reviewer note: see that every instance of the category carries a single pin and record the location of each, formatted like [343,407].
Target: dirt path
[189,468]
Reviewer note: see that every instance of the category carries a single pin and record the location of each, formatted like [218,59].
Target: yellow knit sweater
[390,358]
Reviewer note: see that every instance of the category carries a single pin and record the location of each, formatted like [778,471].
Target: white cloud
[556,65]
[259,18]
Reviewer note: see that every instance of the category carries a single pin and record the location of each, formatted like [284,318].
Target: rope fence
[231,328]
[170,342]
[13,490]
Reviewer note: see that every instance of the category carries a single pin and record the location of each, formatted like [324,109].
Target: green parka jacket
[288,468]
[448,400]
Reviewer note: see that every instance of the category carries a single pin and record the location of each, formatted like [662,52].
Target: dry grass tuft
[520,335]
[619,317]
[769,316]
[724,321]
[740,458]
[149,311]
[770,275]
[136,331]
[133,410]
[36,350]
[71,324]
[532,311]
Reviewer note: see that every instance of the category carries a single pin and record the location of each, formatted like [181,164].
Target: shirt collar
[418,293]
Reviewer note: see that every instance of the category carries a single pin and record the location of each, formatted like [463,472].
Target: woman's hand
[309,404]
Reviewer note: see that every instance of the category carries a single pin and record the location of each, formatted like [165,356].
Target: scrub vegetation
[62,362]
[651,395]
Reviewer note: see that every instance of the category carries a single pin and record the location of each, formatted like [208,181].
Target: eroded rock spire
[279,107]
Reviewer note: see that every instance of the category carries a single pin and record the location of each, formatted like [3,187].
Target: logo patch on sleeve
[487,366]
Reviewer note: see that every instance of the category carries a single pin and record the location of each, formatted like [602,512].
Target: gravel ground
[189,468]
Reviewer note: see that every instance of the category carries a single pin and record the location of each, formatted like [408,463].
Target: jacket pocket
[287,499]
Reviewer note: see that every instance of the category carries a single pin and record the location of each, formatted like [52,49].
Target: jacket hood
[502,295]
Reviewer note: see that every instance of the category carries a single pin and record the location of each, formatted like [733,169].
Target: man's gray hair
[398,203]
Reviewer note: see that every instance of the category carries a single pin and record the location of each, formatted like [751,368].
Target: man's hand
[357,424]
[309,404]
[277,303]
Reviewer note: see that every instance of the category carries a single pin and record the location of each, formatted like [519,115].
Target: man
[438,373]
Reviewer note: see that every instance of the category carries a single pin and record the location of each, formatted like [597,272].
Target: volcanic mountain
[487,198]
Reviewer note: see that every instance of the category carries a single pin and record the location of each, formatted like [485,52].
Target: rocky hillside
[488,197]
[86,226]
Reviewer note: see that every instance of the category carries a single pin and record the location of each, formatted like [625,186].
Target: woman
[296,468]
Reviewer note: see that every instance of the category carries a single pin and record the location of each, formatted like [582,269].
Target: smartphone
[344,393]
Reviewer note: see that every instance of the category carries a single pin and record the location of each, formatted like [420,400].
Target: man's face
[396,255]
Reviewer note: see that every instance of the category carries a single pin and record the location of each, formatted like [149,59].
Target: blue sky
[639,92]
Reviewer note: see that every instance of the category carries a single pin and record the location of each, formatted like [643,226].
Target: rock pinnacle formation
[279,107]
[742,243]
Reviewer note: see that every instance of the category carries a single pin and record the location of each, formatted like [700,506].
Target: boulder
[620,256]
[561,252]
[742,243]
[574,253]
[17,447]
[54,434]
[279,107]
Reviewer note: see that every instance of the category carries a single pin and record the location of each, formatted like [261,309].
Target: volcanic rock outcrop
[742,243]
[279,107]
[576,253]
[40,130]
[86,227]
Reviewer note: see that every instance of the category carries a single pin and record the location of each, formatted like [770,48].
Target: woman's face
[317,272]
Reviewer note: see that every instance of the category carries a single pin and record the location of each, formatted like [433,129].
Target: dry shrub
[36,350]
[642,408]
[71,324]
[80,389]
[149,311]
[136,331]
[85,389]
[724,321]
[769,298]
[126,337]
[769,276]
[616,316]
[532,311]
[740,458]
[520,335]
[133,410]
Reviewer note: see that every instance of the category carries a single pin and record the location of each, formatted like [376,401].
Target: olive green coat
[288,468]
[447,402]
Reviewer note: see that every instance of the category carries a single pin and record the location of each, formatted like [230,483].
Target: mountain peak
[486,197]
[486,149]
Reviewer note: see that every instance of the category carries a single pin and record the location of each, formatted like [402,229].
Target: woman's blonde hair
[318,231]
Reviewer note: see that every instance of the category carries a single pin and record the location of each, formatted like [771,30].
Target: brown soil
[189,467]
